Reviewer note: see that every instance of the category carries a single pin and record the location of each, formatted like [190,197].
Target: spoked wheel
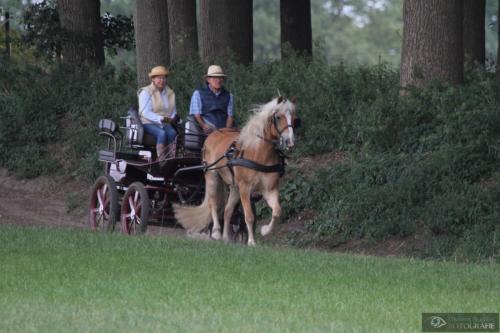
[103,204]
[189,194]
[135,209]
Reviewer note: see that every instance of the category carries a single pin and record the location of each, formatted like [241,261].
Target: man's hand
[207,129]
[165,120]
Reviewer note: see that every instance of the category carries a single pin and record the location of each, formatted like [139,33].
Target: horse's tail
[196,218]
[193,218]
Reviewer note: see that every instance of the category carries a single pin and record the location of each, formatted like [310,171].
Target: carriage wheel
[135,209]
[190,193]
[103,204]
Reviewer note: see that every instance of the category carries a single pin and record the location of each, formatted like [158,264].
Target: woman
[157,111]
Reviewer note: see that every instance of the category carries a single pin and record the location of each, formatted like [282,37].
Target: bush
[49,120]
[427,164]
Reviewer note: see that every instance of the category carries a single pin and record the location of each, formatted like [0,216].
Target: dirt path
[40,201]
[50,202]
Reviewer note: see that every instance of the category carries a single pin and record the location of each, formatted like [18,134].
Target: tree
[498,40]
[183,30]
[151,37]
[295,21]
[474,33]
[241,30]
[432,42]
[82,38]
[226,29]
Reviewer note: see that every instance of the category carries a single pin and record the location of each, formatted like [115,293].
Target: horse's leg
[212,188]
[272,199]
[232,201]
[247,209]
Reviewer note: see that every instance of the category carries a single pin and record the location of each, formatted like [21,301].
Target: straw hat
[158,70]
[215,71]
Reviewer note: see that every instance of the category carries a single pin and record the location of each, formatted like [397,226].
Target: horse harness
[235,157]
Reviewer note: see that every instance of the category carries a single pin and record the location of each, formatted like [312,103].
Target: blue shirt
[195,106]
[146,106]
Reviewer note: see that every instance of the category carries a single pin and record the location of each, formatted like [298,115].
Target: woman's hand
[165,120]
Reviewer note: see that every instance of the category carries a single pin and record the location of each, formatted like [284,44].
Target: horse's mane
[256,124]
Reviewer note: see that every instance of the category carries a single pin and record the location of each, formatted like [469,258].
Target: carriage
[137,190]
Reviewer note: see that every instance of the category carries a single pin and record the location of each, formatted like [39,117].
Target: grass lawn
[60,280]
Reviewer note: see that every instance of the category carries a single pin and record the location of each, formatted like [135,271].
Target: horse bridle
[295,124]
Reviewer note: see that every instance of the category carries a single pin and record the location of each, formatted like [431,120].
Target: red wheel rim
[131,214]
[100,207]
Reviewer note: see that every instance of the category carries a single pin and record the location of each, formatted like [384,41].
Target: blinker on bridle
[295,124]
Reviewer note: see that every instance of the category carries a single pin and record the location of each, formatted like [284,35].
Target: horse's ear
[280,99]
[293,99]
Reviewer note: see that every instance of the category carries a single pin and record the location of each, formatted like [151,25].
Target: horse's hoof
[251,242]
[216,235]
[265,230]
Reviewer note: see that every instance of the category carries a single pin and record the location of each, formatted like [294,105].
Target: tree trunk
[432,42]
[474,34]
[241,30]
[498,40]
[151,37]
[296,31]
[226,30]
[82,37]
[7,35]
[183,30]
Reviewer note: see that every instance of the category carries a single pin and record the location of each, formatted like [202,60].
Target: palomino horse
[256,165]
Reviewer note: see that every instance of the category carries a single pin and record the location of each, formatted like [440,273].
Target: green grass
[60,280]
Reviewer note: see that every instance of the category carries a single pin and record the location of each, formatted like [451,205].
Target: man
[212,105]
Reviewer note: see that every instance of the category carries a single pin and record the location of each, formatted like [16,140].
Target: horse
[246,162]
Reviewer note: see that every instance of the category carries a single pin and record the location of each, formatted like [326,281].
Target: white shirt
[146,106]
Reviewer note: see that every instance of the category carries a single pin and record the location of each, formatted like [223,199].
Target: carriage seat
[136,136]
[194,137]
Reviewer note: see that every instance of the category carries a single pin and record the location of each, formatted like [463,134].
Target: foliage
[425,164]
[68,280]
[42,30]
[118,32]
[49,125]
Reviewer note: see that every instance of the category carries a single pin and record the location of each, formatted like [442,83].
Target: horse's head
[284,121]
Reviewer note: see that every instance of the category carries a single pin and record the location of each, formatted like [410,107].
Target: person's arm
[230,120]
[174,113]
[202,124]
[146,108]
[195,110]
